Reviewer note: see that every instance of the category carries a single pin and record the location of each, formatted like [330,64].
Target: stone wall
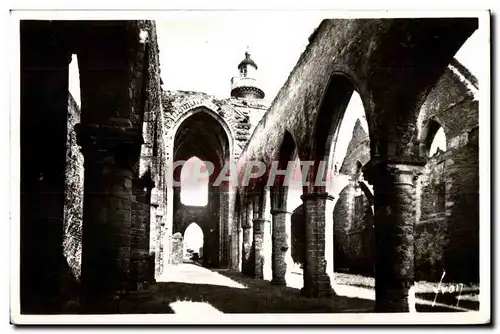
[237,119]
[462,211]
[159,237]
[446,233]
[73,206]
[177,248]
[298,235]
[431,232]
[146,226]
[207,218]
[240,115]
[453,104]
[435,244]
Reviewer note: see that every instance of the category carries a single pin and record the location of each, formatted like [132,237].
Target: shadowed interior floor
[229,292]
[189,289]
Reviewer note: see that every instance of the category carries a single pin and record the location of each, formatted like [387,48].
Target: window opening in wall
[193,242]
[194,183]
[439,143]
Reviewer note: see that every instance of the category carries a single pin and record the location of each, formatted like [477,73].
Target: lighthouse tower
[246,85]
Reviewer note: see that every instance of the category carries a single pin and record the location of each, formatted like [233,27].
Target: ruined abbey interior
[103,224]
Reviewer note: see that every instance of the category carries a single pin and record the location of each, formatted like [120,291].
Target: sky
[200,51]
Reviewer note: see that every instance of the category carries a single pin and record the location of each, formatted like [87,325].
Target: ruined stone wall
[207,217]
[148,213]
[73,206]
[238,117]
[145,94]
[241,115]
[431,233]
[354,237]
[358,150]
[353,232]
[252,110]
[298,235]
[158,197]
[225,233]
[177,248]
[335,47]
[444,240]
[341,219]
[454,105]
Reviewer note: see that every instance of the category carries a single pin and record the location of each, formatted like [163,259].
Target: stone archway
[201,126]
[193,242]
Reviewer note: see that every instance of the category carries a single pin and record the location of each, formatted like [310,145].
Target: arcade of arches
[101,182]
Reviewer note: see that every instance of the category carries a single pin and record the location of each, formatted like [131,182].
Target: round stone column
[110,152]
[246,225]
[279,246]
[318,244]
[258,242]
[395,218]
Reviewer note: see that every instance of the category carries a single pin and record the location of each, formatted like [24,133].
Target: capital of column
[278,211]
[118,139]
[258,224]
[378,171]
[246,225]
[316,196]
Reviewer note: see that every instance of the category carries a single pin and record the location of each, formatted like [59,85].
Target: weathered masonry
[86,175]
[408,82]
[446,236]
[214,130]
[101,209]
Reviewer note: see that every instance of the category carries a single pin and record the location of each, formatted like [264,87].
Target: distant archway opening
[438,143]
[194,183]
[193,242]
[286,192]
[202,148]
[342,141]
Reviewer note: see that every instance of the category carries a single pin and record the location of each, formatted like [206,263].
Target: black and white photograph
[250,167]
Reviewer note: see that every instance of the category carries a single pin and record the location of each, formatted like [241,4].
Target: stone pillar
[258,241]
[279,246]
[140,232]
[240,248]
[44,114]
[159,243]
[246,225]
[268,248]
[177,248]
[153,235]
[318,244]
[229,229]
[395,218]
[43,137]
[259,232]
[165,247]
[235,241]
[109,153]
[224,219]
[212,243]
[139,246]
